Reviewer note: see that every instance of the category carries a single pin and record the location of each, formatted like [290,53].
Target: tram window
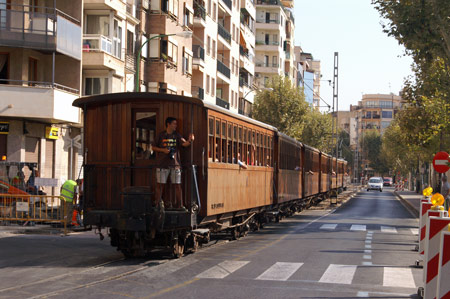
[245,148]
[235,137]
[217,127]
[229,130]
[145,128]
[211,139]
[224,142]
[217,149]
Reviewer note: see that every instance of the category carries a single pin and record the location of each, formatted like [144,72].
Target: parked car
[375,183]
[387,182]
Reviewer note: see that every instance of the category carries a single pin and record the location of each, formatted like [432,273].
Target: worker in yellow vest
[69,195]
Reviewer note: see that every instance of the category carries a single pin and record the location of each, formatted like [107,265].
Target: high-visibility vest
[68,190]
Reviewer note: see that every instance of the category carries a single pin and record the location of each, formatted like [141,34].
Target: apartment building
[110,29]
[274,41]
[312,77]
[40,68]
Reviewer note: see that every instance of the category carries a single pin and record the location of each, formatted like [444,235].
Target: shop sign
[52,133]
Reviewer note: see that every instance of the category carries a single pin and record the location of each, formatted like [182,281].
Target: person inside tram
[168,145]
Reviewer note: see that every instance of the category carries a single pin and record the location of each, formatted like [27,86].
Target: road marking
[368,246]
[388,229]
[328,226]
[280,271]
[415,231]
[367,264]
[368,241]
[367,257]
[341,274]
[167,268]
[398,277]
[369,237]
[358,227]
[363,294]
[367,251]
[222,270]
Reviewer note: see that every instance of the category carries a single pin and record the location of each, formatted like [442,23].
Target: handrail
[41,84]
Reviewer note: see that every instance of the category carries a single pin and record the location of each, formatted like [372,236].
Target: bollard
[443,286]
[435,225]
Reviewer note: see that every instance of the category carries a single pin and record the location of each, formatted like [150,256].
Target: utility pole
[335,100]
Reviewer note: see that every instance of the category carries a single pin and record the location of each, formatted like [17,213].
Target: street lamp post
[185,34]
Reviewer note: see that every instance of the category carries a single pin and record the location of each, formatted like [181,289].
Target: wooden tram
[282,175]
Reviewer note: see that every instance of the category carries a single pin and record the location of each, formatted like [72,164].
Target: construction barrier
[443,285]
[435,226]
[33,208]
[400,186]
[424,208]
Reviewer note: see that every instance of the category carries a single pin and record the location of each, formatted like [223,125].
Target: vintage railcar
[119,171]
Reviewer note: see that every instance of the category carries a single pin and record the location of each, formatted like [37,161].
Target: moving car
[387,182]
[375,183]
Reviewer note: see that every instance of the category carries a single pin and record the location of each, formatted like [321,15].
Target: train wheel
[235,234]
[177,247]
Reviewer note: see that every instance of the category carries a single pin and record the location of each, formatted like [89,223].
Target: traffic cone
[74,218]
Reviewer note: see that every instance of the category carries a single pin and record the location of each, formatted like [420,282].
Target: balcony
[288,55]
[53,30]
[199,14]
[222,103]
[227,3]
[223,69]
[243,52]
[130,62]
[267,43]
[198,92]
[198,52]
[269,2]
[225,34]
[40,100]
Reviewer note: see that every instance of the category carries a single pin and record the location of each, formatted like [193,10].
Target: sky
[369,60]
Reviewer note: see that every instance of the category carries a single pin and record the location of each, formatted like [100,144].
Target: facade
[40,76]
[274,41]
[312,67]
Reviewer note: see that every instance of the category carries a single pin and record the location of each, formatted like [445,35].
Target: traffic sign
[441,162]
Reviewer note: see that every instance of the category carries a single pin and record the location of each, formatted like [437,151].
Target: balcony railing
[267,43]
[243,82]
[222,68]
[198,52]
[97,43]
[243,51]
[261,64]
[224,33]
[198,92]
[199,11]
[39,27]
[268,21]
[130,62]
[8,82]
[269,2]
[227,3]
[222,103]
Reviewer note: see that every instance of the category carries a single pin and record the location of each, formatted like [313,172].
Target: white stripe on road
[341,274]
[367,257]
[280,271]
[388,229]
[358,227]
[415,231]
[367,251]
[398,277]
[223,269]
[328,226]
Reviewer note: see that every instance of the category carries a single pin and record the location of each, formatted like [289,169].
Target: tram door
[143,157]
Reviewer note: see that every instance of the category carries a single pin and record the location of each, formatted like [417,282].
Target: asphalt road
[363,249]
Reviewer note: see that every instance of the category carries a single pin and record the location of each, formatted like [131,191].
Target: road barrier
[424,208]
[33,208]
[435,225]
[443,286]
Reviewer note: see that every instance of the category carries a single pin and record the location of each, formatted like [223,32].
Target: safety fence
[33,208]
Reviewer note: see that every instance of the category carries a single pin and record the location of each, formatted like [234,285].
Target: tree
[282,106]
[317,130]
[371,147]
[347,153]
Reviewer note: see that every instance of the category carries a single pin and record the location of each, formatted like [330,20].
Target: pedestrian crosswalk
[333,274]
[362,228]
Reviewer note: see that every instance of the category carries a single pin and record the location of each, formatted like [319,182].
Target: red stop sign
[440,162]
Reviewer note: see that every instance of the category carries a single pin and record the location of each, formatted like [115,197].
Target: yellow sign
[51,133]
[437,199]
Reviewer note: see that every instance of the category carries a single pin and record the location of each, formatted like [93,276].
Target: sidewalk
[411,200]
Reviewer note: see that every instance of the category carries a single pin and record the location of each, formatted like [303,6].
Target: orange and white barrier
[443,286]
[424,208]
[435,226]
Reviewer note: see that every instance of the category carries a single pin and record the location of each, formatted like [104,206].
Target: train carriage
[235,173]
[325,173]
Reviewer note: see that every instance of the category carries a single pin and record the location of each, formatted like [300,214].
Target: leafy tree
[282,106]
[317,130]
[371,147]
[347,153]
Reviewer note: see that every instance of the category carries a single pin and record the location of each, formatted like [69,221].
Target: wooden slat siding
[316,170]
[334,177]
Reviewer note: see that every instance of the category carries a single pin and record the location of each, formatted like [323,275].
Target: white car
[375,183]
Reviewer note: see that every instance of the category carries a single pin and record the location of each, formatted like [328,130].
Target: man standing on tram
[168,144]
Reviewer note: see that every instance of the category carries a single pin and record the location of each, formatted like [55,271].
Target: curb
[407,205]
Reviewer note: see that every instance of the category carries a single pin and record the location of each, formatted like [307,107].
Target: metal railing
[198,92]
[267,43]
[222,68]
[199,52]
[268,21]
[222,103]
[36,208]
[269,2]
[243,51]
[224,33]
[261,64]
[199,10]
[227,3]
[38,84]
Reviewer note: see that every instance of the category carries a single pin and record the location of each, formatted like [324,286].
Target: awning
[242,41]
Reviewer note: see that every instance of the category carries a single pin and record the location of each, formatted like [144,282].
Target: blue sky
[369,60]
